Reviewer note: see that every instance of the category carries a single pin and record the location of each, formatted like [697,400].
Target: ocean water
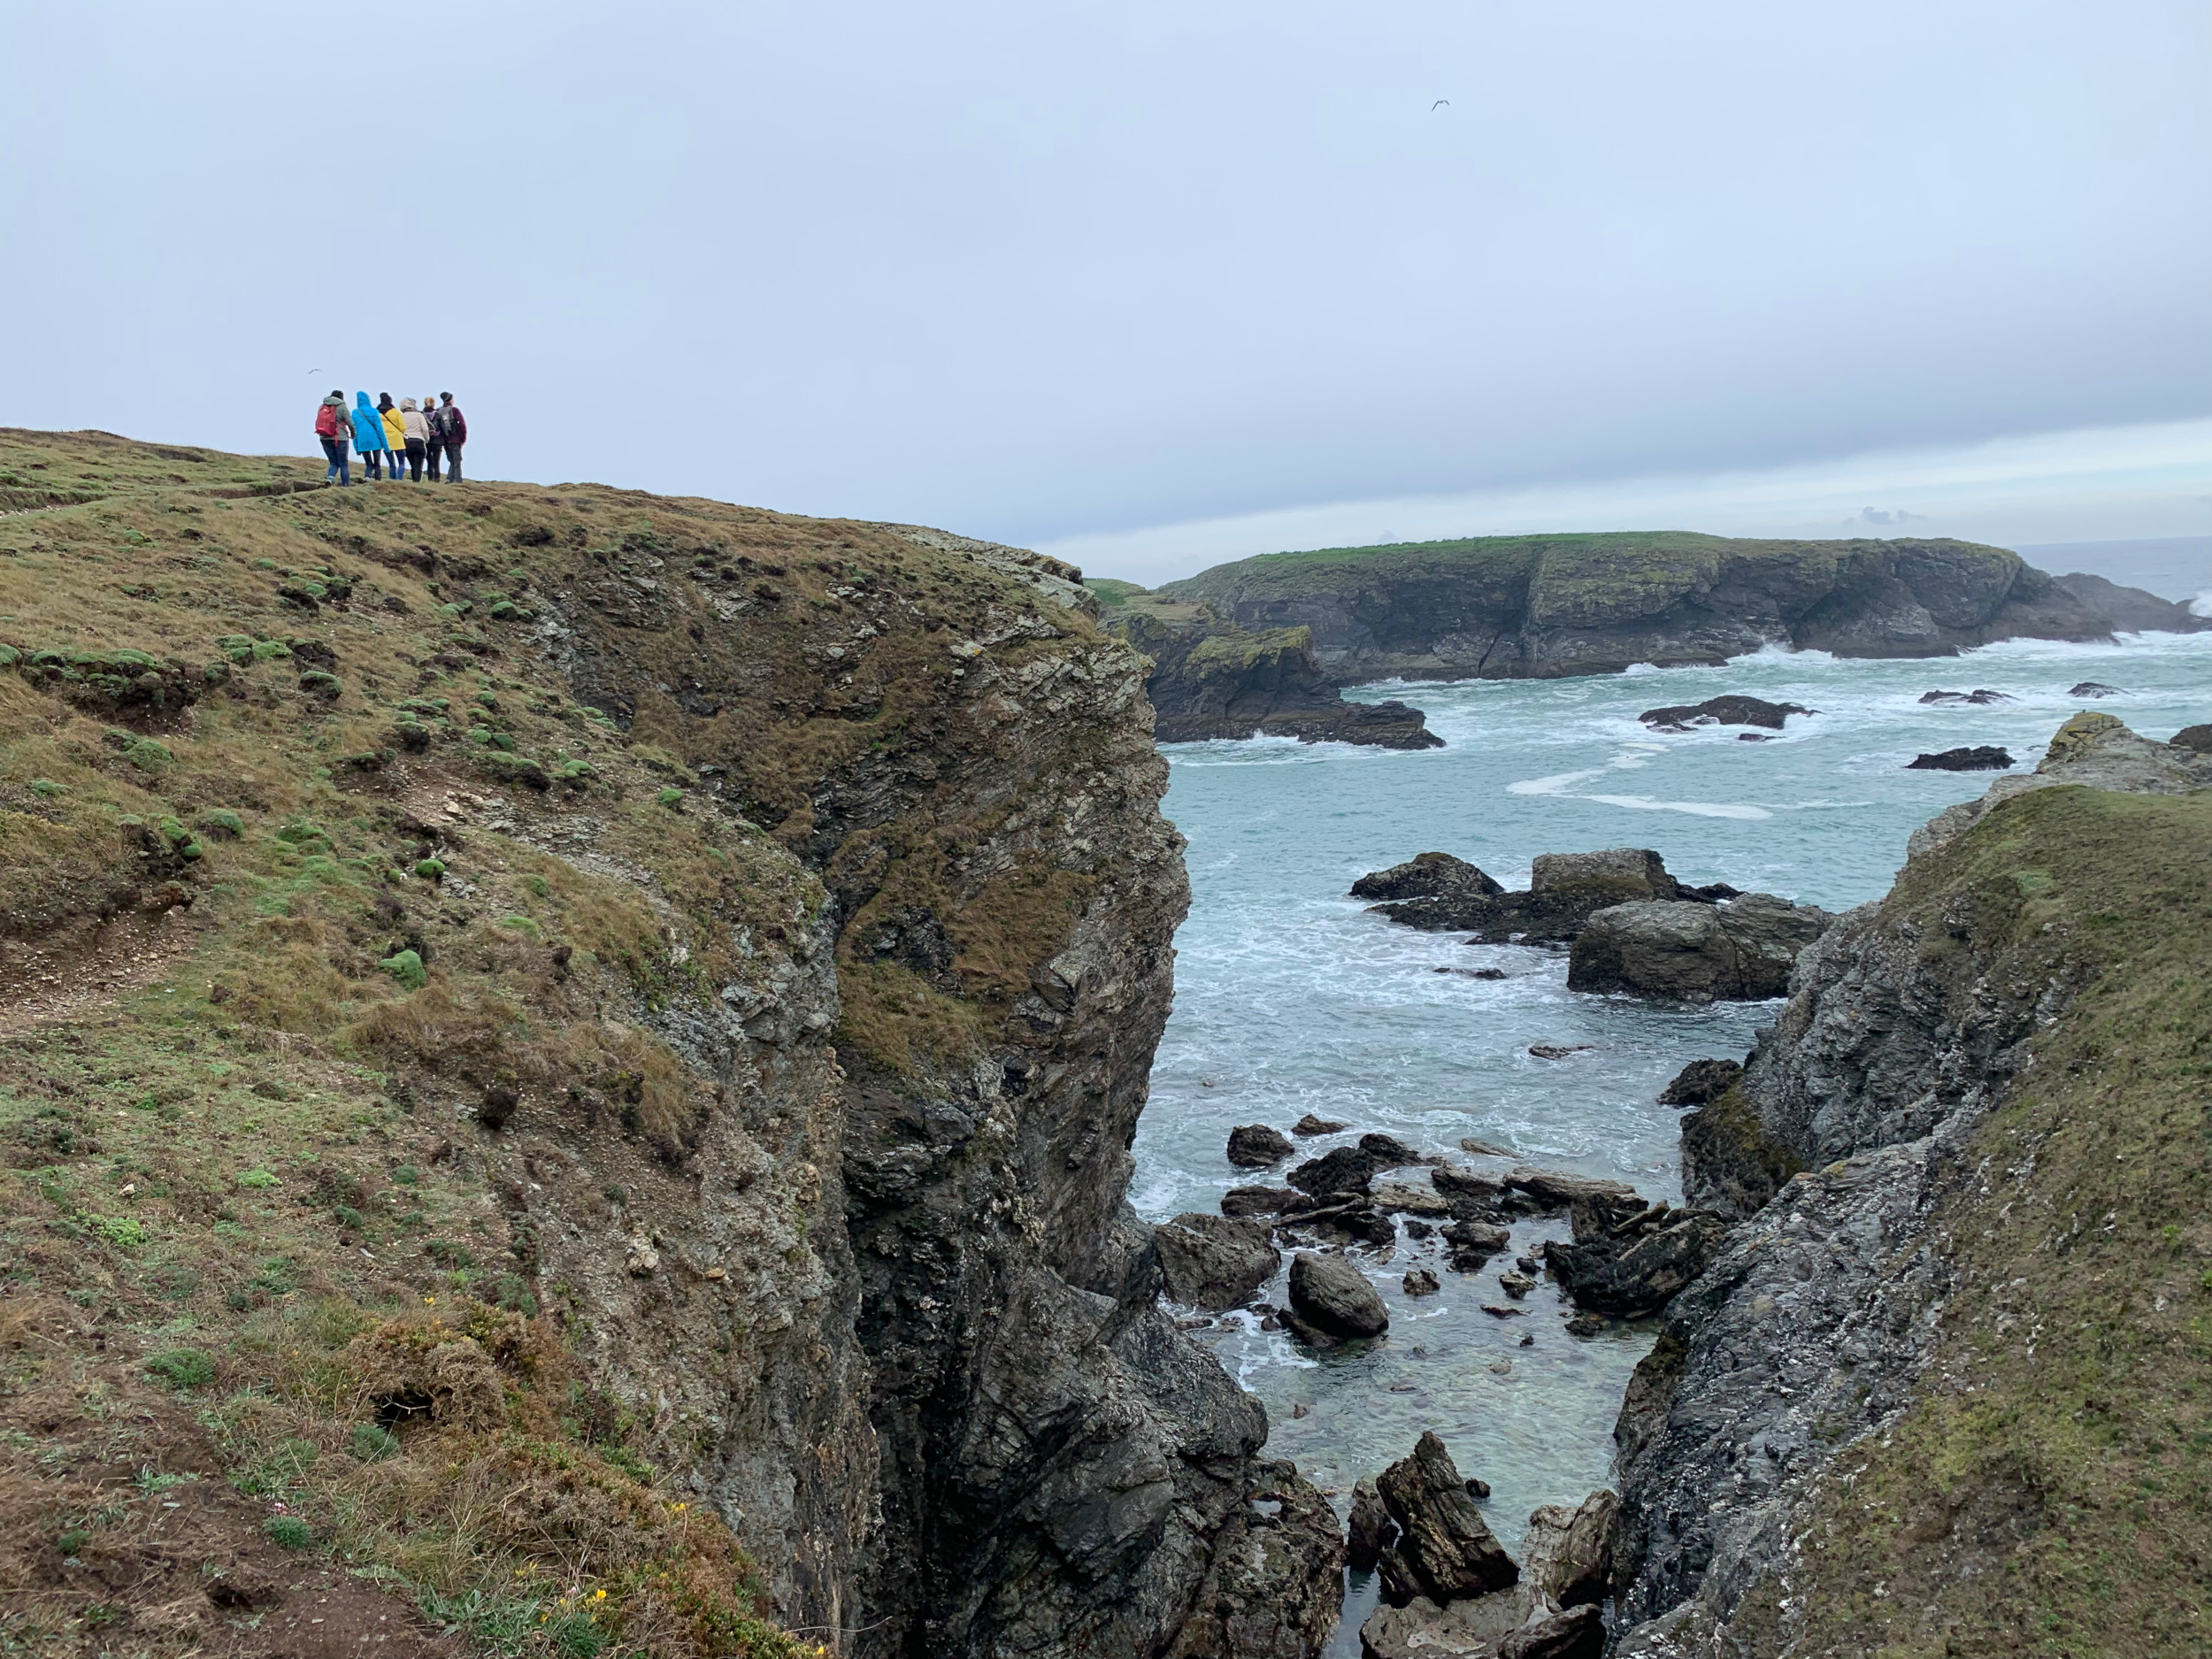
[1291,999]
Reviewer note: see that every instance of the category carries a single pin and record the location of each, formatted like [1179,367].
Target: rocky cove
[607,1063]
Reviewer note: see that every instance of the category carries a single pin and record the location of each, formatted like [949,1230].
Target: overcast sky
[1158,283]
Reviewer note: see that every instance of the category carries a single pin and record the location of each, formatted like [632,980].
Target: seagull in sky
[1439,105]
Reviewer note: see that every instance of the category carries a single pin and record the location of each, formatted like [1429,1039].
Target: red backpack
[326,420]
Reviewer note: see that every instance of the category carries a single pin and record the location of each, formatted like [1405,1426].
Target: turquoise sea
[1291,999]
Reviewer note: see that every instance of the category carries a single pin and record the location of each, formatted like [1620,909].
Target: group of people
[389,436]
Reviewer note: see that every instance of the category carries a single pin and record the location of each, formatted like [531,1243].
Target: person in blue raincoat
[369,441]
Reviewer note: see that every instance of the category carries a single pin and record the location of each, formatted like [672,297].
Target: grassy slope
[214,1150]
[1327,570]
[2053,1491]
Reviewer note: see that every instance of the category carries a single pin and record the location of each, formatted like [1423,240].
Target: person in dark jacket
[332,430]
[435,448]
[451,430]
[368,435]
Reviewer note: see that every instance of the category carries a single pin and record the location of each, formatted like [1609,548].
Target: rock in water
[1260,1201]
[1426,876]
[1628,1260]
[2094,688]
[1310,1125]
[1569,1552]
[1701,1082]
[1252,1146]
[1564,889]
[1419,1281]
[1728,710]
[1214,1262]
[1987,758]
[1740,951]
[1445,1549]
[1980,696]
[1350,1169]
[1368,1531]
[1331,1294]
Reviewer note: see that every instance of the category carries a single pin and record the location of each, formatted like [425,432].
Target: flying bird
[1439,105]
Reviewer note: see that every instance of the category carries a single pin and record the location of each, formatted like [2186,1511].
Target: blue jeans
[341,468]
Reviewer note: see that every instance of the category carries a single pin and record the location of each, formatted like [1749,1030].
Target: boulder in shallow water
[1981,695]
[1260,1201]
[1726,710]
[1350,1169]
[1985,757]
[1426,876]
[2095,689]
[1563,889]
[1445,1549]
[1253,1145]
[1634,1265]
[1740,951]
[1568,1553]
[1214,1262]
[1310,1125]
[1369,1530]
[1334,1296]
[1472,1243]
[1419,1281]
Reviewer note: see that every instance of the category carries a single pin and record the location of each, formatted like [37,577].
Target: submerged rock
[1254,1146]
[1986,758]
[1980,696]
[1445,1549]
[1214,1262]
[1332,1296]
[1726,710]
[2094,688]
[1740,951]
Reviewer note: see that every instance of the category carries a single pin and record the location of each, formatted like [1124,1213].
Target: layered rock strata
[1438,893]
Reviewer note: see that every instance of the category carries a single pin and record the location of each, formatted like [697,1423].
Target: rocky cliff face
[763,928]
[1210,680]
[1922,1386]
[1540,607]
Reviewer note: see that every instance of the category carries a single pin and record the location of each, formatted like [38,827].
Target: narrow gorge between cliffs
[1291,999]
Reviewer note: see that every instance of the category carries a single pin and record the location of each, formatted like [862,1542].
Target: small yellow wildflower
[429,1302]
[598,1595]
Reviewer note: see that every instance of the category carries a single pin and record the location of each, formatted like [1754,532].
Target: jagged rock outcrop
[1540,607]
[1738,950]
[1438,893]
[1214,1262]
[2135,609]
[1981,757]
[1209,680]
[1628,1258]
[1854,1430]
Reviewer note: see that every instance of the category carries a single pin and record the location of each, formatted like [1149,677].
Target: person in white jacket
[418,429]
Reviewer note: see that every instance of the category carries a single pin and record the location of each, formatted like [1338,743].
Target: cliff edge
[583,1046]
[1942,1391]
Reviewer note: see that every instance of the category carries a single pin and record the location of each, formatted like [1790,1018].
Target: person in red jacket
[332,428]
[451,431]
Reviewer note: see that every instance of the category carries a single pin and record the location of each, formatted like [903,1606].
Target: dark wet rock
[1418,1229]
[1274,1588]
[1427,876]
[2196,739]
[1310,1125]
[1557,1050]
[1260,1201]
[1630,1265]
[1568,1553]
[1984,757]
[1701,1081]
[1726,710]
[1254,1146]
[1331,1294]
[1419,1281]
[1564,890]
[1472,1243]
[1445,1549]
[2135,609]
[1586,1323]
[1486,1148]
[1369,1530]
[1214,1262]
[1732,1165]
[1980,696]
[1515,1285]
[1469,1194]
[1671,951]
[2094,688]
[1350,1169]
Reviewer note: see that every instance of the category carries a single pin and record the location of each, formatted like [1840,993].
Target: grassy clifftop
[336,826]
